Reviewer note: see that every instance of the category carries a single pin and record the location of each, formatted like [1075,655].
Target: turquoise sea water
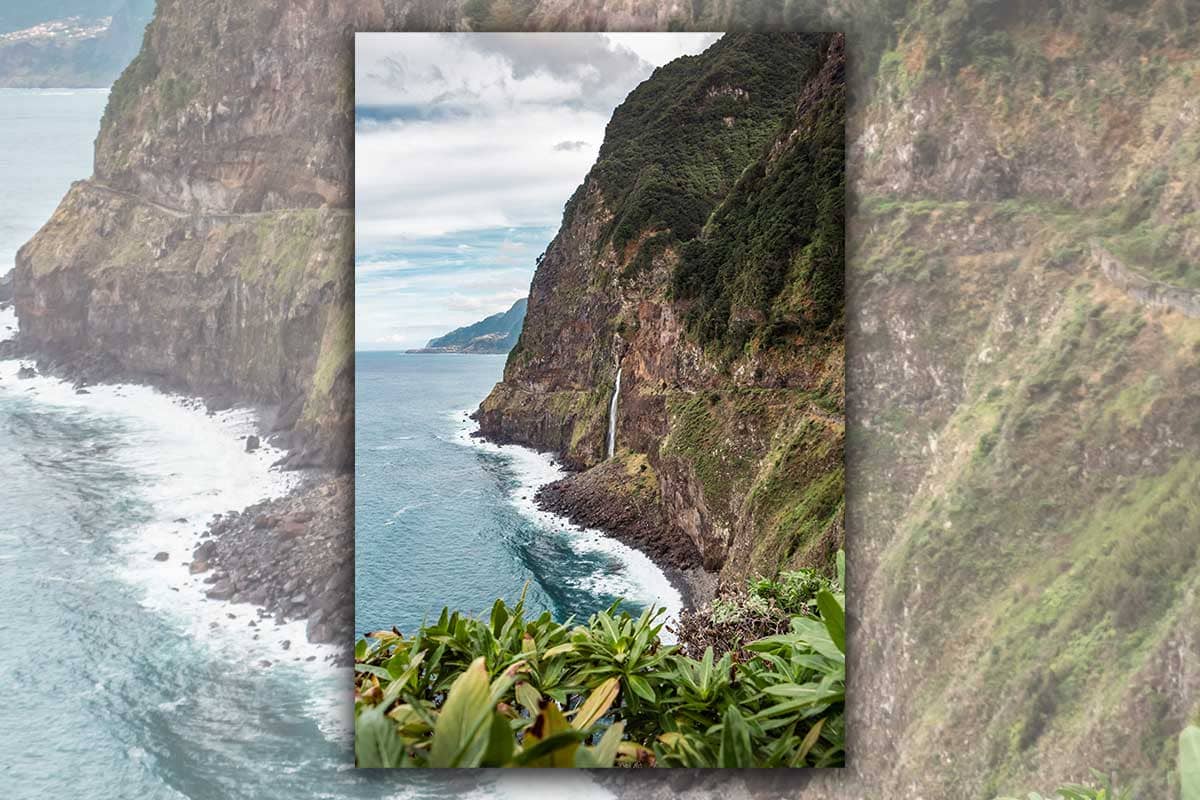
[443,519]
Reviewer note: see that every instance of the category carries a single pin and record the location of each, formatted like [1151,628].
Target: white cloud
[458,134]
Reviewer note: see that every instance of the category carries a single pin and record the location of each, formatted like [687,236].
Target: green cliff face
[1022,335]
[1025,334]
[702,257]
[211,250]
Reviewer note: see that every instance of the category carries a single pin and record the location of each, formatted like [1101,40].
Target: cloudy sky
[466,148]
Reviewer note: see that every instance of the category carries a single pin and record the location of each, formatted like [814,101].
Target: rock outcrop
[210,251]
[293,557]
[719,300]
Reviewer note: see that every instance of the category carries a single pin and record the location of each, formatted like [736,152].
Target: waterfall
[612,417]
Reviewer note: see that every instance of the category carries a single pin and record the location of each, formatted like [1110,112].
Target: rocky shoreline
[609,499]
[292,556]
[278,423]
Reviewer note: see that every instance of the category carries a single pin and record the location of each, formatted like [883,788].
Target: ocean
[117,678]
[445,519]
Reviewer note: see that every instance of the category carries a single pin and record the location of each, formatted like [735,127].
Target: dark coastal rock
[222,590]
[162,555]
[252,443]
[626,507]
[293,557]
[26,372]
[197,567]
[291,527]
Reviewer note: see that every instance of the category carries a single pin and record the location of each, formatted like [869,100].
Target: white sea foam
[637,577]
[8,323]
[192,465]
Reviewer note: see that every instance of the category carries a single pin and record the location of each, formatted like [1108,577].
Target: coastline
[660,583]
[202,479]
[601,499]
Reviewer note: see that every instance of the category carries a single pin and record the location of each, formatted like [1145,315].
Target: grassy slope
[1041,465]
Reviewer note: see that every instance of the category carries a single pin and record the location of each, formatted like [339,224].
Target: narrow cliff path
[179,213]
[1143,290]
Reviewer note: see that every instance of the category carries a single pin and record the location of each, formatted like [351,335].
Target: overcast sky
[466,148]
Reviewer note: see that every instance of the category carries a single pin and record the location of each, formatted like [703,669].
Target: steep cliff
[1028,427]
[701,260]
[1021,366]
[210,250]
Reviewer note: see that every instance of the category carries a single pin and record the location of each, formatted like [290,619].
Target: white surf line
[640,579]
[8,323]
[193,465]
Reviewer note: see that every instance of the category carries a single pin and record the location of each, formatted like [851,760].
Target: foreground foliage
[512,692]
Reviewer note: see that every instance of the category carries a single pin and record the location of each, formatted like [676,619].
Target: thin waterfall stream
[612,417]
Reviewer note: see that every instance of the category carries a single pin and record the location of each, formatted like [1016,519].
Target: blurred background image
[1021,339]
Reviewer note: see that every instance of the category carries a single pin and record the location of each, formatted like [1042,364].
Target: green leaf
[1189,763]
[559,650]
[551,727]
[834,617]
[378,672]
[735,740]
[557,751]
[529,698]
[457,741]
[640,687]
[376,743]
[814,734]
[500,743]
[606,749]
[597,704]
[499,616]
[706,670]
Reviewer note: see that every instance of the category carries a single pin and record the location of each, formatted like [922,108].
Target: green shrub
[507,691]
